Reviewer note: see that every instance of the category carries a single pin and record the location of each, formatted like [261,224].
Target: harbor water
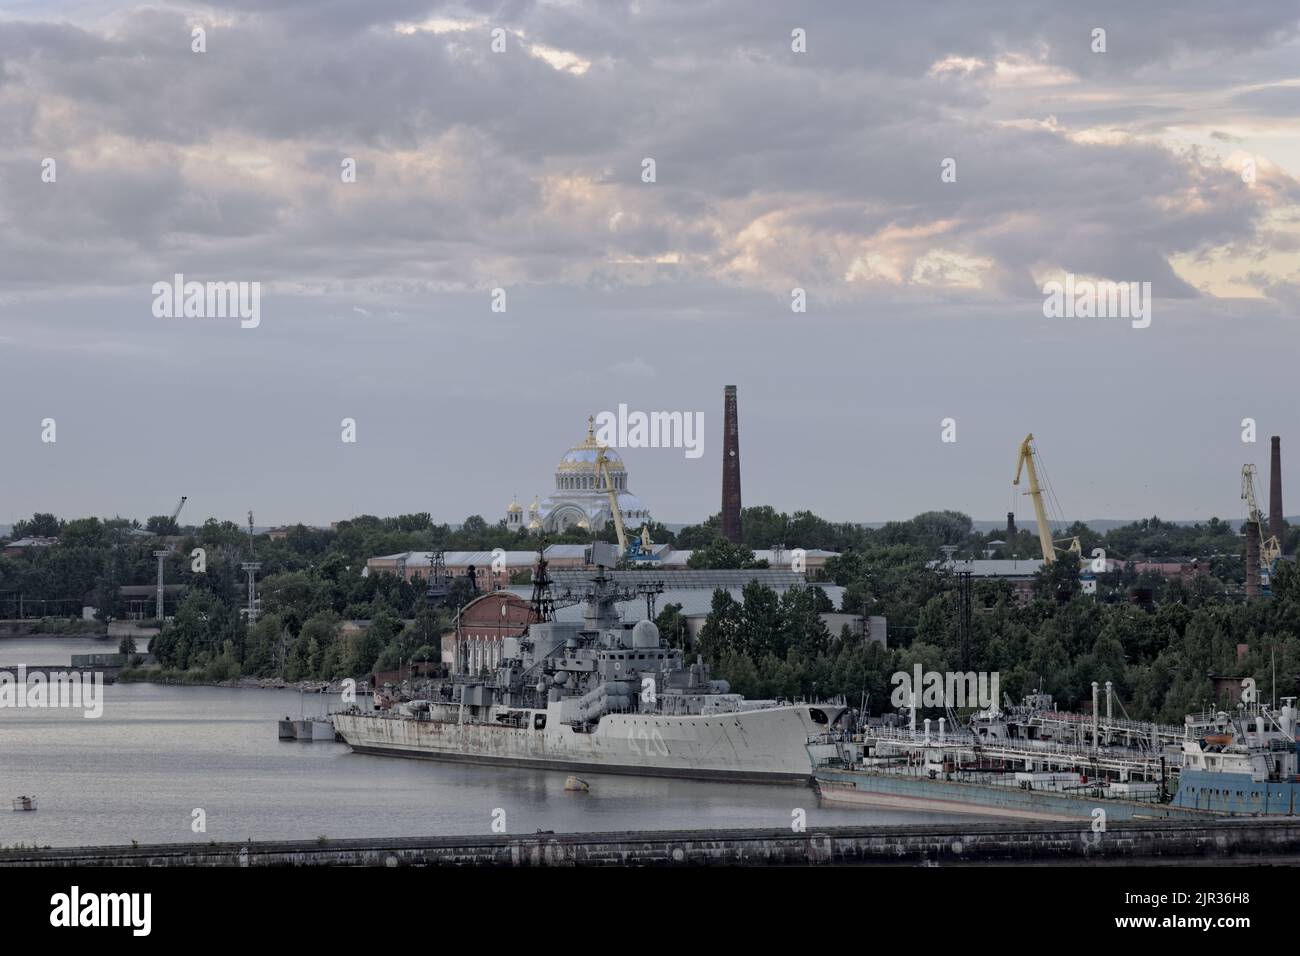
[160,752]
[45,649]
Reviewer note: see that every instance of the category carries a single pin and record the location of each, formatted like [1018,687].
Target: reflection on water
[158,752]
[37,649]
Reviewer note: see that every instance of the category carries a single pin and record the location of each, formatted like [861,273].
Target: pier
[1253,841]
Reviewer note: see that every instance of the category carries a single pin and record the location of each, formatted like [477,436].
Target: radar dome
[645,634]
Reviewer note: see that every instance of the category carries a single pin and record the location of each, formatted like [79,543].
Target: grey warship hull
[766,745]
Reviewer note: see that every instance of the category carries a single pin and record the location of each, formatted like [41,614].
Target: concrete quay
[1220,841]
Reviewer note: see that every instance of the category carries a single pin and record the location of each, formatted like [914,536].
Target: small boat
[1218,740]
[24,803]
[577,785]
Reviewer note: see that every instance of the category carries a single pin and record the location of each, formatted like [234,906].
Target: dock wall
[1170,842]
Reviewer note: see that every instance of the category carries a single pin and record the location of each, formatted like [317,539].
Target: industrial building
[1020,573]
[492,570]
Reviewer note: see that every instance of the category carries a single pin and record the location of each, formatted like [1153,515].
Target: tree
[761,630]
[107,595]
[83,533]
[722,554]
[803,629]
[474,524]
[719,633]
[1058,581]
[672,625]
[41,525]
[162,525]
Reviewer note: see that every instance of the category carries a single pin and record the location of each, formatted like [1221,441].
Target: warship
[597,695]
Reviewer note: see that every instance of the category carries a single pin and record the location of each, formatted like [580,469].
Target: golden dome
[535,507]
[535,525]
[581,458]
[515,507]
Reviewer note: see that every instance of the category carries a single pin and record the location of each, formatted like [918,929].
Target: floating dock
[306,729]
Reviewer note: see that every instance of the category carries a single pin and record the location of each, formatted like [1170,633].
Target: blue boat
[1244,763]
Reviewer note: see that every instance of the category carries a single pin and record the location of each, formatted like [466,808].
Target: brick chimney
[730,466]
[1275,491]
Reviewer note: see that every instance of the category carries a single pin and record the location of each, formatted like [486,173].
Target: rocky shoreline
[154,676]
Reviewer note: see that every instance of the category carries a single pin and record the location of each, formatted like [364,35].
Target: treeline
[1162,657]
[97,555]
[311,588]
[1149,539]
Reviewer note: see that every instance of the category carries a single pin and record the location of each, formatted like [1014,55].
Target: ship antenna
[543,602]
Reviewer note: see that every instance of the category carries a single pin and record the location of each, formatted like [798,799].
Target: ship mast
[543,601]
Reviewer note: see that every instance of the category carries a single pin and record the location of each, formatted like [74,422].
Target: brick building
[477,642]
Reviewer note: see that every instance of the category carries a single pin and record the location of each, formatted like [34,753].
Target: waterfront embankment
[1252,841]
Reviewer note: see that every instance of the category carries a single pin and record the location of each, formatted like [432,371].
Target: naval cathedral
[580,499]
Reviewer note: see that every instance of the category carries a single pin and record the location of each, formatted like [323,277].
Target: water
[159,752]
[54,649]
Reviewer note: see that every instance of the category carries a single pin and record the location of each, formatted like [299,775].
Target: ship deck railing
[1125,761]
[1111,725]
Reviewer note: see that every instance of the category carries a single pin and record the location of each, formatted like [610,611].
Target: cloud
[478,168]
[522,170]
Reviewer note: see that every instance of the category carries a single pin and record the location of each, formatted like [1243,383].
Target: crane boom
[1026,463]
[1269,550]
[602,467]
[179,505]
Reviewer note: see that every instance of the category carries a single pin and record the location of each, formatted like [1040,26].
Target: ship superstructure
[1244,762]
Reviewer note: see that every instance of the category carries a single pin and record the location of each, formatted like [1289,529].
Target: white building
[579,499]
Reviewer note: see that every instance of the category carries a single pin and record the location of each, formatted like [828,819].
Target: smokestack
[1011,533]
[730,466]
[1275,491]
[1252,561]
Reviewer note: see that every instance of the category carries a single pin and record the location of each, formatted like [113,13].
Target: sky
[920,171]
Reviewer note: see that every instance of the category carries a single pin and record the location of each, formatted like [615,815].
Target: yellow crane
[1270,550]
[602,469]
[1026,464]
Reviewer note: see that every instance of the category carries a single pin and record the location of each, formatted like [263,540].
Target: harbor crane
[1025,464]
[633,550]
[162,554]
[176,512]
[1271,549]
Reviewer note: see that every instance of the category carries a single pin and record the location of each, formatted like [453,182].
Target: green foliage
[672,625]
[1160,661]
[40,525]
[162,525]
[722,554]
[312,588]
